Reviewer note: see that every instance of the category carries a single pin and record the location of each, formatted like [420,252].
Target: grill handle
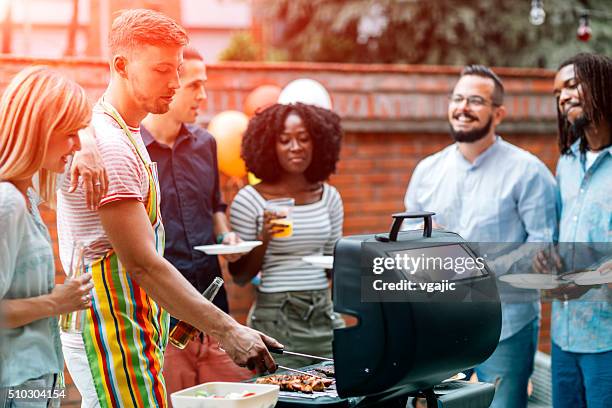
[399,218]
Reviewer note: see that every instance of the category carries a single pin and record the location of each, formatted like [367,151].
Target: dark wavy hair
[259,141]
[594,73]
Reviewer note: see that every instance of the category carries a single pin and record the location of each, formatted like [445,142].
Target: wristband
[221,237]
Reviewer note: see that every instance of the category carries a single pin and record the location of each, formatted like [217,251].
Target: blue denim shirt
[585,197]
[190,195]
[506,195]
[27,270]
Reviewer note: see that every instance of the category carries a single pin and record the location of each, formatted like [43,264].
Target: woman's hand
[73,294]
[270,228]
[231,238]
[87,163]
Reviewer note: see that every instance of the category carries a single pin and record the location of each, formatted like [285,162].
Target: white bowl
[266,396]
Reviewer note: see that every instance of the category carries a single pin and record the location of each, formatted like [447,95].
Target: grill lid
[415,343]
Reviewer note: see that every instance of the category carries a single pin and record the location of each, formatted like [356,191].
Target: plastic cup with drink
[283,209]
[73,322]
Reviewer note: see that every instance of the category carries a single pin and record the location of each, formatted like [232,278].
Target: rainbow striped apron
[126,332]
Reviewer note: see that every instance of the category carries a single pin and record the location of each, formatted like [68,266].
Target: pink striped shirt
[127,177]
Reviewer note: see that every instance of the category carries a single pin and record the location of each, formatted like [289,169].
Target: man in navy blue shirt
[193,214]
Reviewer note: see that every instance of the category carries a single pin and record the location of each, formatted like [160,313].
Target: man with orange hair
[194,214]
[118,360]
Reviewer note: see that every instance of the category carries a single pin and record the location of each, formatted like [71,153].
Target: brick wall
[394,116]
[372,176]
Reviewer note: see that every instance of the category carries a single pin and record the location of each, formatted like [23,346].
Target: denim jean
[17,396]
[510,366]
[581,380]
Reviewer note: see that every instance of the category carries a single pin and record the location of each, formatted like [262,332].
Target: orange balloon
[228,127]
[260,98]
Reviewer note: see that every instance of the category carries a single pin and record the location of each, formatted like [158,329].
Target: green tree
[449,32]
[242,47]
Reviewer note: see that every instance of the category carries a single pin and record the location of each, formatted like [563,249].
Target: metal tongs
[277,350]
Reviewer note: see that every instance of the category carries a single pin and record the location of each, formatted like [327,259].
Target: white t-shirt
[591,157]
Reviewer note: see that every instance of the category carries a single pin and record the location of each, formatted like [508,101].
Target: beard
[157,108]
[580,125]
[473,135]
[577,130]
[154,106]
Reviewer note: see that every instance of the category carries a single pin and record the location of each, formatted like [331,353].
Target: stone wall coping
[303,66]
[370,98]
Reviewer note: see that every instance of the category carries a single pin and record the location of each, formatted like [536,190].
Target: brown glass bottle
[183,331]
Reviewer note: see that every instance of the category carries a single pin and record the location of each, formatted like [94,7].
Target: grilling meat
[327,370]
[300,383]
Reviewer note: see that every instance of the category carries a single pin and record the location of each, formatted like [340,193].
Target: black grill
[406,348]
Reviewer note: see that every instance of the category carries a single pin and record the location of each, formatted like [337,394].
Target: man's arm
[131,235]
[537,204]
[537,208]
[220,223]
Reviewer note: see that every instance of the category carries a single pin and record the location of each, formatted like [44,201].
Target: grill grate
[330,392]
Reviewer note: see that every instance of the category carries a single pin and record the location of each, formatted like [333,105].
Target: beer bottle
[183,331]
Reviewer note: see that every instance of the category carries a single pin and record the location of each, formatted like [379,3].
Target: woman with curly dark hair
[293,149]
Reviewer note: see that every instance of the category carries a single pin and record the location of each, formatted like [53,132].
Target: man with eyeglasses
[490,191]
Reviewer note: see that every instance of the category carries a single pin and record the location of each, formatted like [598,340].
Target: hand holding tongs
[277,350]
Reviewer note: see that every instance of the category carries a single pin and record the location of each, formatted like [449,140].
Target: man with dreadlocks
[582,328]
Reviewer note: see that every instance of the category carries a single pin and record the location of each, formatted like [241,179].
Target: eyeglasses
[474,100]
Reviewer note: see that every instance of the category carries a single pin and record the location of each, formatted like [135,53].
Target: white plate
[221,249]
[456,377]
[321,261]
[532,280]
[592,278]
[570,276]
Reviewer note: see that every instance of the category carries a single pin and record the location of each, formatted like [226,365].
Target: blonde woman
[40,114]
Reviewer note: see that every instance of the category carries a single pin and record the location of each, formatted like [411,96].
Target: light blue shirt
[506,195]
[26,270]
[585,198]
